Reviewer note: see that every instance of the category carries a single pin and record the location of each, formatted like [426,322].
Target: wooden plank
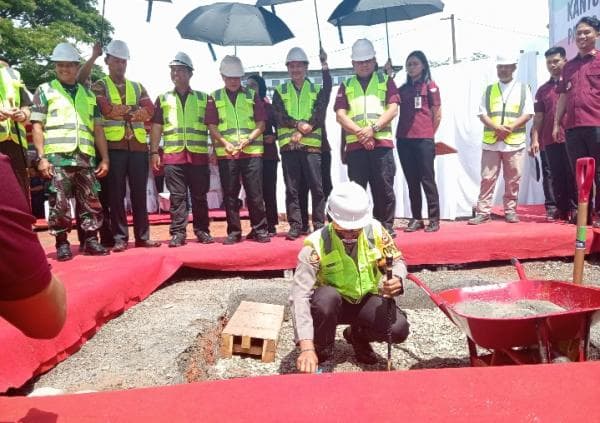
[245,342]
[226,345]
[268,351]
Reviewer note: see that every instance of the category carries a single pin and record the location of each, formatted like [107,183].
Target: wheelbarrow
[540,338]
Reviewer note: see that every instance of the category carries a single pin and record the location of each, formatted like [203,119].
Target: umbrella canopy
[233,24]
[272,3]
[372,12]
[149,14]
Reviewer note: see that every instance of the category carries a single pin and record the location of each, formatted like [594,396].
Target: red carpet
[542,393]
[99,288]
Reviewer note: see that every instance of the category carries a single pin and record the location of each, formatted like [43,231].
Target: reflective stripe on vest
[69,124]
[504,114]
[114,130]
[236,122]
[353,280]
[367,107]
[183,127]
[299,108]
[10,96]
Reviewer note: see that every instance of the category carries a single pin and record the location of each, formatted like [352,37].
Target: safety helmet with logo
[65,52]
[506,59]
[296,54]
[182,59]
[118,49]
[231,66]
[362,50]
[349,206]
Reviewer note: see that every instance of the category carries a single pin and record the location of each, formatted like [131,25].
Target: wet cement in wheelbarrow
[505,310]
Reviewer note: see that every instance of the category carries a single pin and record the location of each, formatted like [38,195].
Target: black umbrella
[148,15]
[272,3]
[372,12]
[233,24]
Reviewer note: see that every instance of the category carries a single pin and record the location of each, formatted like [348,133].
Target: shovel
[585,169]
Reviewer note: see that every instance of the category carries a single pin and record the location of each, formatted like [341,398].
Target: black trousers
[547,183]
[250,172]
[585,142]
[131,166]
[563,181]
[377,169]
[180,178]
[417,158]
[18,162]
[329,309]
[270,192]
[327,186]
[299,166]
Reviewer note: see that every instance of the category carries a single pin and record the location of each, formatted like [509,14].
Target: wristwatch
[375,127]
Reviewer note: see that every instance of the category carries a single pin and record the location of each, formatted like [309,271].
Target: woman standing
[270,156]
[420,116]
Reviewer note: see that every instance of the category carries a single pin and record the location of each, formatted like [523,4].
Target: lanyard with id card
[419,97]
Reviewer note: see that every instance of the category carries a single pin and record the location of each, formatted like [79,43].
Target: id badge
[418,102]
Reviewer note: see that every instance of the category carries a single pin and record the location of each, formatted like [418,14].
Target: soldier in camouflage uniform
[66,127]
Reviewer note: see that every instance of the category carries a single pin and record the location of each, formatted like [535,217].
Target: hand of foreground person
[102,169]
[296,137]
[45,168]
[391,287]
[155,161]
[4,114]
[322,56]
[502,132]
[555,133]
[307,361]
[534,149]
[304,127]
[97,50]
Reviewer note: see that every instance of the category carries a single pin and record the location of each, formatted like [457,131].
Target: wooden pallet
[253,329]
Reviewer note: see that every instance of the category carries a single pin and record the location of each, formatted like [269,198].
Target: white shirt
[511,91]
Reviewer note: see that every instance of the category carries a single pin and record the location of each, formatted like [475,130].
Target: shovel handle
[584,174]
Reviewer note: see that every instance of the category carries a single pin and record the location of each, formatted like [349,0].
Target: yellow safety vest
[367,107]
[353,280]
[114,130]
[10,96]
[184,128]
[504,114]
[69,124]
[237,121]
[299,108]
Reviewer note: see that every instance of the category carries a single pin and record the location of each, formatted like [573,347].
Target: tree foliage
[30,29]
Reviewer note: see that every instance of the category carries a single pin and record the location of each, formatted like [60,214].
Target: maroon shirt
[580,81]
[212,115]
[24,270]
[413,122]
[270,152]
[546,99]
[185,156]
[341,102]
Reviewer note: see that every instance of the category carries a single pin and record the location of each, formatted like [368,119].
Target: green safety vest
[353,280]
[69,124]
[114,130]
[237,121]
[10,96]
[184,128]
[367,107]
[502,114]
[299,108]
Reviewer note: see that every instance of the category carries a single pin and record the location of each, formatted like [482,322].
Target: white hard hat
[182,59]
[506,59]
[349,206]
[296,54]
[231,66]
[118,48]
[65,52]
[362,50]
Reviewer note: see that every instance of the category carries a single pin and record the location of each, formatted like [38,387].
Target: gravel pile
[173,336]
[506,310]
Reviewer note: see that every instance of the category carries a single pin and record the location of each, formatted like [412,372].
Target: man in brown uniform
[125,106]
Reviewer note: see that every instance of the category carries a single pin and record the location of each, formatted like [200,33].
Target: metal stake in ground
[391,304]
[585,176]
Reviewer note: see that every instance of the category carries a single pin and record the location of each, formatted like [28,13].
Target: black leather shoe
[93,248]
[177,240]
[433,226]
[414,225]
[147,243]
[251,235]
[204,237]
[292,234]
[362,349]
[119,247]
[232,239]
[262,237]
[305,230]
[272,231]
[63,252]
